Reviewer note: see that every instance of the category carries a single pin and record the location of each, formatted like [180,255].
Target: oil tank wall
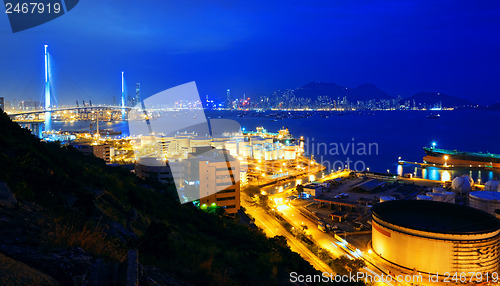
[436,252]
[486,201]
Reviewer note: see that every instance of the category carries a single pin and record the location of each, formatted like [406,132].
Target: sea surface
[374,140]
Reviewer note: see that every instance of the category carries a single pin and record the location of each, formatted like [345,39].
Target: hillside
[74,219]
[495,107]
[431,99]
[362,92]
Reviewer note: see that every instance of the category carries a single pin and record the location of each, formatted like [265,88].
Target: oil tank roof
[436,217]
[486,195]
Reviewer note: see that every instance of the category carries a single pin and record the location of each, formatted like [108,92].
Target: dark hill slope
[105,211]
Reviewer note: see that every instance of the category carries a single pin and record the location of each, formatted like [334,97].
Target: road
[326,240]
[272,228]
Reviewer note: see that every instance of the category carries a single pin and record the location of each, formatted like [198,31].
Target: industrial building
[100,151]
[213,177]
[436,237]
[315,189]
[159,170]
[209,175]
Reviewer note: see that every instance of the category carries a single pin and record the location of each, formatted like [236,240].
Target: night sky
[258,47]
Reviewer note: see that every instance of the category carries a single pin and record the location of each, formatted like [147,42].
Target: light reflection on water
[86,125]
[438,174]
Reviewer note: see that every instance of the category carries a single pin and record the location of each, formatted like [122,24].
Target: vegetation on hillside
[107,210]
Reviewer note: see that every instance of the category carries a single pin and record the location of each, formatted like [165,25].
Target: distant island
[495,106]
[436,98]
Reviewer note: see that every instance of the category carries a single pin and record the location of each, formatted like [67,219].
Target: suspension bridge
[32,120]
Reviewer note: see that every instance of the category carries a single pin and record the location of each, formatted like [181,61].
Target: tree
[343,265]
[300,190]
[251,190]
[264,202]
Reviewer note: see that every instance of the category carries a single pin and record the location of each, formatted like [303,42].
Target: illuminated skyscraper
[228,100]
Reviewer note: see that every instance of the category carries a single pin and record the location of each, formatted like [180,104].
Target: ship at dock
[456,158]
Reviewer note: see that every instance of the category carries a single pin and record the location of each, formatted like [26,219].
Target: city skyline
[258,49]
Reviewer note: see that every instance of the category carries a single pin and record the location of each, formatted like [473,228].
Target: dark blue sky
[257,47]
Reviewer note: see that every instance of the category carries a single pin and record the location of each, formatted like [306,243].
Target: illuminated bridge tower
[50,100]
[47,103]
[124,98]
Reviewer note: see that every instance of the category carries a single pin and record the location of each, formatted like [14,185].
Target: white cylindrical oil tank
[436,237]
[485,200]
[492,185]
[289,152]
[247,151]
[232,146]
[258,152]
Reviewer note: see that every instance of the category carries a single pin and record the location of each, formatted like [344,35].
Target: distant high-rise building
[228,98]
[15,103]
[2,106]
[8,105]
[29,104]
[137,98]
